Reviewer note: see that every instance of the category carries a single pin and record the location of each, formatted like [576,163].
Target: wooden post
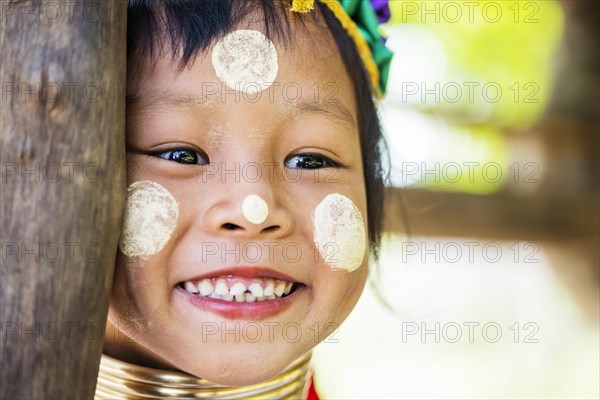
[62,121]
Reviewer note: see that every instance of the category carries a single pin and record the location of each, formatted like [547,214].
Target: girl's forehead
[309,45]
[306,69]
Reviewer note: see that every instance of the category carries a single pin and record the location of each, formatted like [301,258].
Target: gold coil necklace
[121,380]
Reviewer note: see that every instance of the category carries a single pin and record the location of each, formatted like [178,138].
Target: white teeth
[269,288]
[206,287]
[272,289]
[279,288]
[288,288]
[190,287]
[237,289]
[256,289]
[221,288]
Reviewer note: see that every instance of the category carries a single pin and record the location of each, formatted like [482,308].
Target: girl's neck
[120,380]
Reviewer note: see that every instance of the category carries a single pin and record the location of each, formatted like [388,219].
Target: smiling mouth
[240,289]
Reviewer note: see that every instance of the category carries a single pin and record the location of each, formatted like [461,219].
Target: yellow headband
[305,6]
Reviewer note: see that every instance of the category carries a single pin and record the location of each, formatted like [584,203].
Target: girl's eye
[184,156]
[309,161]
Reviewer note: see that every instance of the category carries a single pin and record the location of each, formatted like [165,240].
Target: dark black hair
[188,27]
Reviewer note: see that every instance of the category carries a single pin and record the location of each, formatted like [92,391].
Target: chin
[240,371]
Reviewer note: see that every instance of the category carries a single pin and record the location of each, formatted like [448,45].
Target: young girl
[255,192]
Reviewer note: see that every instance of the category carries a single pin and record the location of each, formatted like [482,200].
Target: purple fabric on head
[382,9]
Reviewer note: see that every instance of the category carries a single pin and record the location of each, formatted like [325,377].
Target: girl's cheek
[339,233]
[151,214]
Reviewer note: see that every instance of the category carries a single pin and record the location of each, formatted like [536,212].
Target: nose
[248,214]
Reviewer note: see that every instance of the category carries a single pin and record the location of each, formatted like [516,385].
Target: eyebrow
[155,98]
[332,109]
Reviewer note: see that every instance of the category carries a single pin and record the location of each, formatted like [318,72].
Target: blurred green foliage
[508,47]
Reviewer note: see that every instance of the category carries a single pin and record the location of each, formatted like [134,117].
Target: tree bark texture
[62,155]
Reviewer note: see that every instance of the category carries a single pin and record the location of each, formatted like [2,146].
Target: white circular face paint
[246,61]
[339,233]
[255,209]
[151,214]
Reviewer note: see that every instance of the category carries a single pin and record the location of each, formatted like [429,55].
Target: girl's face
[239,191]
